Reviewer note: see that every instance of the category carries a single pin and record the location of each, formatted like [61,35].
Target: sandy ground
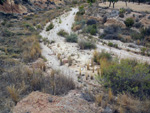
[79,57]
[135,6]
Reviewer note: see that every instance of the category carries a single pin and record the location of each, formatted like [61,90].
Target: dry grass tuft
[110,94]
[132,104]
[99,99]
[14,93]
[31,49]
[88,66]
[69,61]
[80,71]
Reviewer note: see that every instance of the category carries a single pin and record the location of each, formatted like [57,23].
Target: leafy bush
[92,29]
[103,55]
[143,51]
[62,33]
[127,76]
[91,22]
[111,32]
[81,10]
[110,44]
[74,2]
[71,38]
[121,12]
[138,25]
[129,22]
[85,44]
[51,26]
[137,36]
[29,27]
[113,29]
[145,31]
[81,22]
[91,1]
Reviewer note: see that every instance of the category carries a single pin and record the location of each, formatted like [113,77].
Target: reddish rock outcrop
[38,102]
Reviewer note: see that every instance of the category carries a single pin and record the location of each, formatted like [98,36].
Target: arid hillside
[74,56]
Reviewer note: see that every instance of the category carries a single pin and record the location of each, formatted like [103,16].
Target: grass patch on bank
[50,26]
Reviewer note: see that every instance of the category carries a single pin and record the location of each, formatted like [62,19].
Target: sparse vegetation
[81,10]
[129,22]
[31,52]
[62,33]
[85,44]
[19,47]
[21,80]
[50,26]
[124,84]
[71,38]
[100,56]
[121,77]
[92,29]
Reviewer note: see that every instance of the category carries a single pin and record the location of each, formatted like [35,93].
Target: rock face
[38,102]
[9,7]
[24,6]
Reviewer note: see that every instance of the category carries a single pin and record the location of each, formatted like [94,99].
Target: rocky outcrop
[10,6]
[38,102]
[25,6]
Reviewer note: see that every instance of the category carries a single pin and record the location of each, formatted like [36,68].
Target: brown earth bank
[38,102]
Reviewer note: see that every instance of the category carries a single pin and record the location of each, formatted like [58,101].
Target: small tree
[112,1]
[91,1]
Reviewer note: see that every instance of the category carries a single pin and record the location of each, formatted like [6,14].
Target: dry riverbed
[80,58]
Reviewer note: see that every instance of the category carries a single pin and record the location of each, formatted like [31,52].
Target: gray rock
[50,99]
[114,13]
[108,110]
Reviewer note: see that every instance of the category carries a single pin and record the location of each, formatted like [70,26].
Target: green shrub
[62,33]
[51,26]
[145,31]
[103,55]
[71,38]
[127,76]
[74,2]
[7,33]
[85,44]
[137,36]
[81,10]
[29,27]
[39,26]
[143,51]
[122,10]
[91,1]
[110,44]
[129,22]
[92,29]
